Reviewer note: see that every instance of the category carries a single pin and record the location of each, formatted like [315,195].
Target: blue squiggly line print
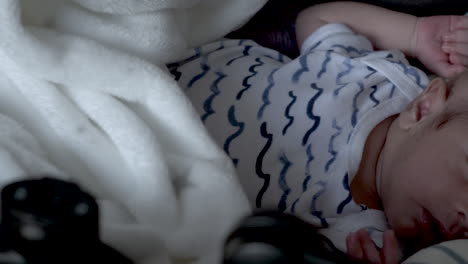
[174,66]
[372,72]
[266,94]
[331,149]
[245,82]
[313,207]
[336,92]
[408,70]
[245,53]
[308,176]
[242,41]
[325,63]
[348,199]
[207,105]
[310,158]
[270,57]
[314,47]
[280,57]
[303,69]
[382,82]
[355,107]
[349,137]
[287,112]
[328,59]
[259,164]
[173,69]
[205,69]
[283,183]
[351,49]
[221,46]
[374,90]
[198,53]
[311,115]
[305,183]
[234,123]
[372,96]
[392,91]
[349,67]
[293,207]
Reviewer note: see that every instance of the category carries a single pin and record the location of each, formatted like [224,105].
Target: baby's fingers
[456,47]
[446,68]
[458,59]
[371,253]
[457,36]
[354,247]
[457,54]
[390,251]
[459,22]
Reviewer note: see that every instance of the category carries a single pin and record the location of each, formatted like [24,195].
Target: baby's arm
[439,42]
[385,29]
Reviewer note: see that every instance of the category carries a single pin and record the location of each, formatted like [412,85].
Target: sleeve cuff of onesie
[323,33]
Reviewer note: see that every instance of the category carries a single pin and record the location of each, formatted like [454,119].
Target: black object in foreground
[274,238]
[52,221]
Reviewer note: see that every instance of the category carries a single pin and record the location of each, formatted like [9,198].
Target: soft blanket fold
[84,95]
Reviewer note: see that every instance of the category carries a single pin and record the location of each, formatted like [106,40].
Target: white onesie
[296,129]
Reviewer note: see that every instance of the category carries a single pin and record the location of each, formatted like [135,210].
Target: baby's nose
[458,229]
[462,224]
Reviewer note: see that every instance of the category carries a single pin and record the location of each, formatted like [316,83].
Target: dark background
[273,25]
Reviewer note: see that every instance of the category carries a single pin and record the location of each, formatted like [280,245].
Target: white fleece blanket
[84,95]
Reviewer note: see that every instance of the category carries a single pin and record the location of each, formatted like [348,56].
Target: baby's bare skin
[414,165]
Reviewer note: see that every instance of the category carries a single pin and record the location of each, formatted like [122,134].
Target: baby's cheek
[402,213]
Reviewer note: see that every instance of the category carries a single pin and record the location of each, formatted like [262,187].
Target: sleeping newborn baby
[348,136]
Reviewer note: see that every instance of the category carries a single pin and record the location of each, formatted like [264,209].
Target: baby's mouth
[430,229]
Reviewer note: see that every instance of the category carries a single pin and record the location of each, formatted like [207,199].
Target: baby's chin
[410,243]
[416,237]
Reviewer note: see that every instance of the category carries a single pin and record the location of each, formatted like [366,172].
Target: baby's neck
[364,187]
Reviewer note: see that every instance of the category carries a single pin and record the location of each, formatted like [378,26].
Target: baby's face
[424,179]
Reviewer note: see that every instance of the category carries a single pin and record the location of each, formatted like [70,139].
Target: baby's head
[422,173]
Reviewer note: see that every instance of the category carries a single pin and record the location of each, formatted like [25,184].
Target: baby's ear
[430,101]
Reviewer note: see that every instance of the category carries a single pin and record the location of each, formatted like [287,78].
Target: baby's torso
[291,127]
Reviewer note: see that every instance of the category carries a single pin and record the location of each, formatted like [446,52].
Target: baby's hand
[361,247]
[441,44]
